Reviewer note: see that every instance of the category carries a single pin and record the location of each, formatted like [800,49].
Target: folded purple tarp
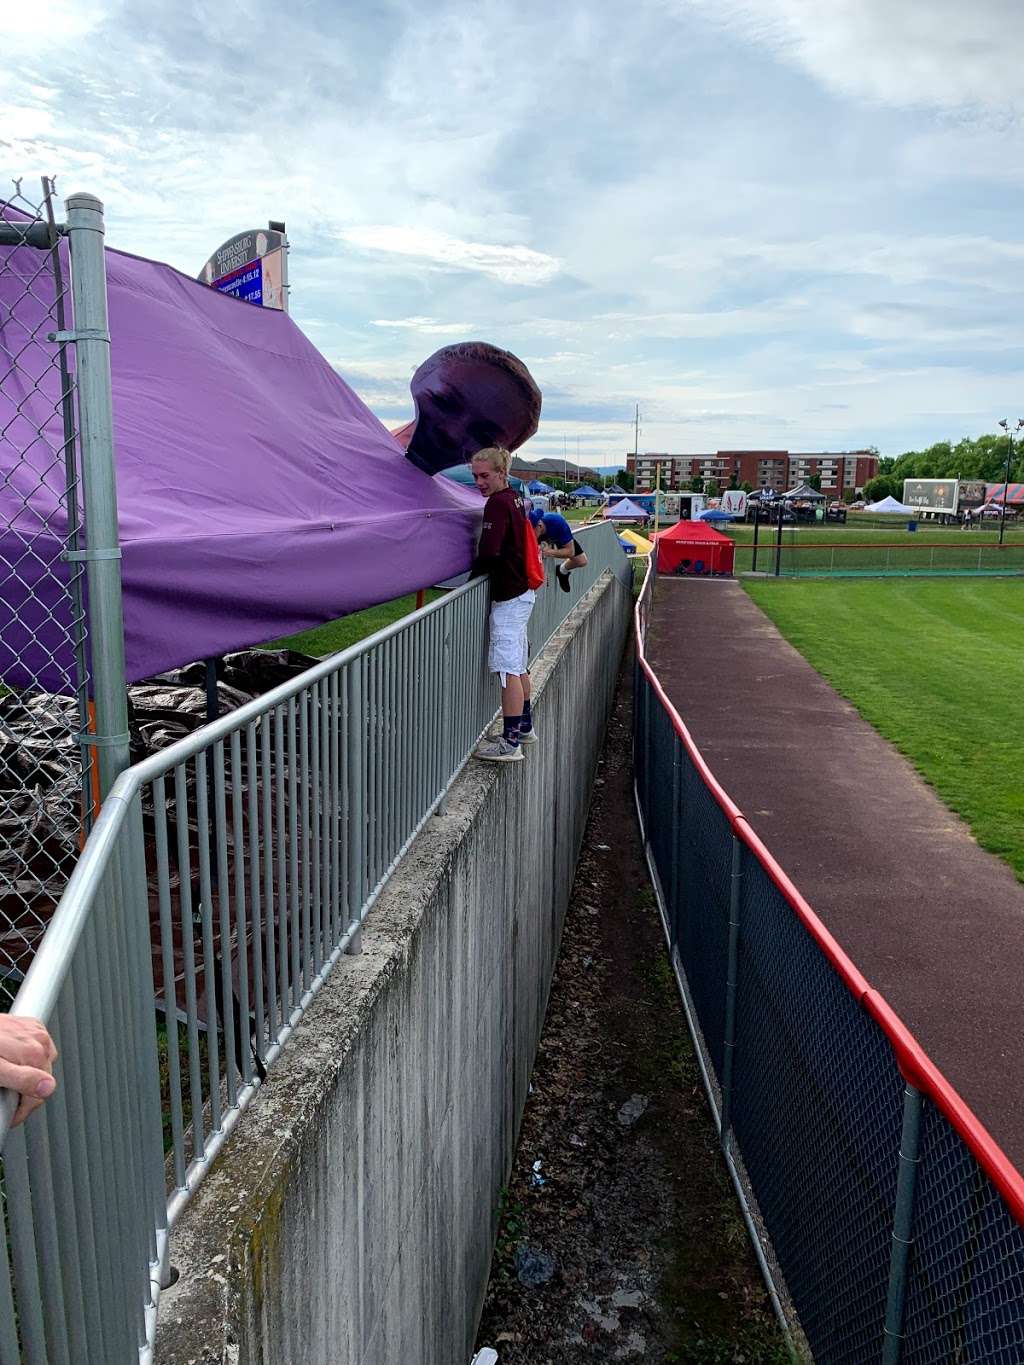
[257,494]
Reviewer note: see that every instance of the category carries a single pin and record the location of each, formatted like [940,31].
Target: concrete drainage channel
[620,1237]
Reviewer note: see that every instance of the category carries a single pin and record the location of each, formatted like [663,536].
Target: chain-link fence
[888,1224]
[46,798]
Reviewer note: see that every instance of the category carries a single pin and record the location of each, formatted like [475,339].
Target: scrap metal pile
[41,782]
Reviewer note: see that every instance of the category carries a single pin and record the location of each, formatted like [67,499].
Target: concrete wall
[350,1219]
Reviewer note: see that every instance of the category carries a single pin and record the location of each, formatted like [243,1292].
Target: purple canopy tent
[241,458]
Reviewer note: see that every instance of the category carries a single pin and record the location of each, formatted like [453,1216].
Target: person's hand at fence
[27,1055]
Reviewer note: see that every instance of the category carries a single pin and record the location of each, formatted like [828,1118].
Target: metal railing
[956,556]
[887,1222]
[242,860]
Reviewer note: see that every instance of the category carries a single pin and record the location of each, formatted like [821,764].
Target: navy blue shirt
[556,529]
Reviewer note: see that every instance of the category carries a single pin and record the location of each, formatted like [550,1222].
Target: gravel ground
[620,1236]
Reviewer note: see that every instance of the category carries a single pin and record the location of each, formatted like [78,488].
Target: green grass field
[937,668]
[335,635]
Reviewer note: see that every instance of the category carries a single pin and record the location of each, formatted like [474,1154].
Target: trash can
[911,525]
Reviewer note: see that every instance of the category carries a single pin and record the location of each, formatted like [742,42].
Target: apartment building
[775,469]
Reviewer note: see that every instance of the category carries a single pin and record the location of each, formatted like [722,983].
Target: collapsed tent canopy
[242,460]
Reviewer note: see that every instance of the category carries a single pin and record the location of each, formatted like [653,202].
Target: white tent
[889,504]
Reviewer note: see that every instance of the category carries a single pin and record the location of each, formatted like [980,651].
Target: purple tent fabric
[257,494]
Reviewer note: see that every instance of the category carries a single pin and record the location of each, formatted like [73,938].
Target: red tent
[694,547]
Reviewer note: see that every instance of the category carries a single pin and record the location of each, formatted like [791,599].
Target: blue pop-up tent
[585,492]
[462,473]
[538,486]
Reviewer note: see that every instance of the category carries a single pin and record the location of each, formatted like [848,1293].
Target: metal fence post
[729,1041]
[677,825]
[446,709]
[753,550]
[356,739]
[778,545]
[903,1222]
[99,485]
[647,758]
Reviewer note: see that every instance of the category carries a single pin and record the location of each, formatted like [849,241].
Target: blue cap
[535,515]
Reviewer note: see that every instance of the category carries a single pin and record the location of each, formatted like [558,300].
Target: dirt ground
[620,1238]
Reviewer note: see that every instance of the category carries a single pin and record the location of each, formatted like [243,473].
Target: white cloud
[429,326]
[509,264]
[47,23]
[748,215]
[942,53]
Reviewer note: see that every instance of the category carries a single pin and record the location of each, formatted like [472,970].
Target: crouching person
[503,555]
[558,542]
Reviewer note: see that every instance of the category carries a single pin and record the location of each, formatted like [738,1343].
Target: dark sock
[526,722]
[510,728]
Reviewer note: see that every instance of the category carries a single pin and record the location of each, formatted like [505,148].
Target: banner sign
[251,266]
[931,495]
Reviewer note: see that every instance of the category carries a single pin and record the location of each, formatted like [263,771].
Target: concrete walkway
[933,921]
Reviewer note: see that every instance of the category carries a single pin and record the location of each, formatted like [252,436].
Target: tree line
[982,458]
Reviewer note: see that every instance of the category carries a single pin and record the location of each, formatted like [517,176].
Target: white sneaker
[500,750]
[528,736]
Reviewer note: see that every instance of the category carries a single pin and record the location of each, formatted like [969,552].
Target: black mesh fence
[965,1299]
[814,1100]
[816,1108]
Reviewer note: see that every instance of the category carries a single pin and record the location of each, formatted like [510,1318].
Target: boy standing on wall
[501,555]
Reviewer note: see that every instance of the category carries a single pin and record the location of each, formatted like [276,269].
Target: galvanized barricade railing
[243,860]
[889,1225]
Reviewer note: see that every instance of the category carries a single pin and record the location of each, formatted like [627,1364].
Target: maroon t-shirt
[500,552]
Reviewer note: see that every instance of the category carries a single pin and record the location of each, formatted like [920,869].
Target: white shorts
[509,650]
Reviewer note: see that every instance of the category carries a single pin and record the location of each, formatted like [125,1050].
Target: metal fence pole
[729,1041]
[96,428]
[446,711]
[71,478]
[356,739]
[902,1230]
[778,544]
[753,550]
[677,826]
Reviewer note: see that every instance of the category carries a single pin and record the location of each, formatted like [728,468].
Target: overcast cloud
[770,222]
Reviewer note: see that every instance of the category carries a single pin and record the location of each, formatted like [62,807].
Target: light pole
[1006,483]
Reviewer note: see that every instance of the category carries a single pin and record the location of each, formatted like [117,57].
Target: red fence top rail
[915,1065]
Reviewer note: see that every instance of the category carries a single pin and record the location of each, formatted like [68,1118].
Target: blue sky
[774,223]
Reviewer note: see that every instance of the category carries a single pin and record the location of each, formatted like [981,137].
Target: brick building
[775,469]
[568,470]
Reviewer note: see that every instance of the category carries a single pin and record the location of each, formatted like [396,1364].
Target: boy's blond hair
[497,457]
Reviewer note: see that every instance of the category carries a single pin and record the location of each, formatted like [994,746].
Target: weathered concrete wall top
[350,1218]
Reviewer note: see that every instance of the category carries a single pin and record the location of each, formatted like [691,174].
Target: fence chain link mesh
[816,1101]
[45,777]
